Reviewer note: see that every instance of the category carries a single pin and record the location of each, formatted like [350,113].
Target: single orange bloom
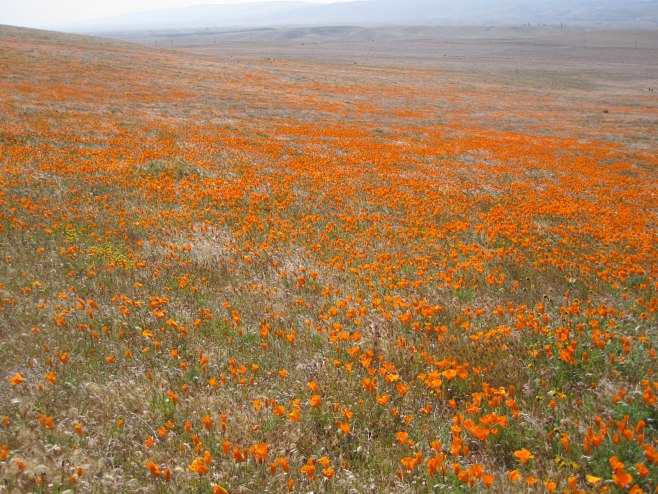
[16,379]
[514,475]
[283,463]
[294,415]
[409,462]
[47,421]
[199,466]
[315,401]
[155,469]
[309,469]
[238,456]
[487,479]
[383,400]
[405,318]
[523,455]
[642,469]
[436,462]
[259,451]
[449,374]
[622,478]
[344,426]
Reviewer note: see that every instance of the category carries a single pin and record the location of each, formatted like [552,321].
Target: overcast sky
[46,13]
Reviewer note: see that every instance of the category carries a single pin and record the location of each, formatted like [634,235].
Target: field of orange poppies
[255,275]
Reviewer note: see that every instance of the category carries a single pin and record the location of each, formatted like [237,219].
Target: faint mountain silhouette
[387,12]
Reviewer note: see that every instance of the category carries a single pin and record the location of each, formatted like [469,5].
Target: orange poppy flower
[198,466]
[16,379]
[523,455]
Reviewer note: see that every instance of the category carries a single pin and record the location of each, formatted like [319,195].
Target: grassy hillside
[257,275]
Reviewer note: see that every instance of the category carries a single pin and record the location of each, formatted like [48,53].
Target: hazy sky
[45,13]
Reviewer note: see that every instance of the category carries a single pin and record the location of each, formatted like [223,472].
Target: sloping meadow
[252,275]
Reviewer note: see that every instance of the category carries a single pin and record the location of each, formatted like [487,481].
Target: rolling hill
[385,12]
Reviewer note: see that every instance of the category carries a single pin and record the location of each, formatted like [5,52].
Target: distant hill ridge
[387,12]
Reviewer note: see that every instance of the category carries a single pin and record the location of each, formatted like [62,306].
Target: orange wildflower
[294,415]
[315,401]
[155,470]
[283,463]
[309,469]
[523,455]
[259,451]
[16,379]
[344,426]
[199,466]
